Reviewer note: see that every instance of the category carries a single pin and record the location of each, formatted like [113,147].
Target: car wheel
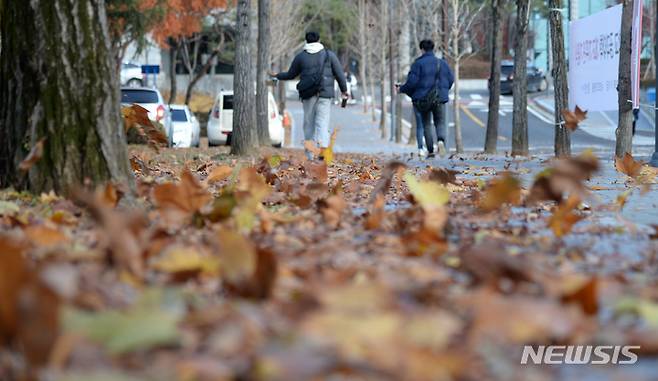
[228,139]
[134,83]
[543,85]
[277,145]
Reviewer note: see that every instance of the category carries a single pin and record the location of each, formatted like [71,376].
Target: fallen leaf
[504,189]
[565,177]
[564,217]
[328,152]
[386,179]
[585,294]
[428,194]
[33,157]
[628,166]
[185,261]
[187,196]
[151,322]
[219,173]
[443,176]
[44,236]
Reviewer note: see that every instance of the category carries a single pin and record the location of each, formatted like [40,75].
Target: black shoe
[430,155]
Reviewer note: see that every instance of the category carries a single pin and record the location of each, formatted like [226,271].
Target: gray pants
[316,120]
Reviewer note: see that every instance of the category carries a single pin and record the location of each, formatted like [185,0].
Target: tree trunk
[244,137]
[59,83]
[173,84]
[363,51]
[262,67]
[382,117]
[625,126]
[496,41]
[559,72]
[520,85]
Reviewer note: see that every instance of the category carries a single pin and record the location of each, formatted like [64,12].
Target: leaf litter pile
[354,268]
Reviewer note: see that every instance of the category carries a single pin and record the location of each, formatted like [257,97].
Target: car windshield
[178,115]
[506,70]
[228,102]
[138,96]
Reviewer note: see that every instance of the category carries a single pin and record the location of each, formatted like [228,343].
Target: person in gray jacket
[317,106]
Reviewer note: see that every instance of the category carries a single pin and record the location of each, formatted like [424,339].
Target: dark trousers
[424,131]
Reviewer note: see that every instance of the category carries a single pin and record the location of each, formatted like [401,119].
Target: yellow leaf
[186,259]
[428,194]
[328,153]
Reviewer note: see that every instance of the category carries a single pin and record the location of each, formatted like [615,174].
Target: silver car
[185,127]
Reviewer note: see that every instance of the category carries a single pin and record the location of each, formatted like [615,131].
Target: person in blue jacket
[427,72]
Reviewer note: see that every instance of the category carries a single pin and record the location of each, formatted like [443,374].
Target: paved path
[357,132]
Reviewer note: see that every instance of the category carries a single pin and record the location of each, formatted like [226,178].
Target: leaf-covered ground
[365,268]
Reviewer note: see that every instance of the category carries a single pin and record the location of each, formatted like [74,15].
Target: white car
[131,75]
[152,100]
[185,127]
[220,122]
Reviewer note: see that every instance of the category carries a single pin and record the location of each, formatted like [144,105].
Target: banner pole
[654,158]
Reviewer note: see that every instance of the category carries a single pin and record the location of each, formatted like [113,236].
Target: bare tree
[359,46]
[244,138]
[625,126]
[285,39]
[562,137]
[263,119]
[519,87]
[495,41]
[462,16]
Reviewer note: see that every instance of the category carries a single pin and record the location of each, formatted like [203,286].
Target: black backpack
[311,86]
[431,99]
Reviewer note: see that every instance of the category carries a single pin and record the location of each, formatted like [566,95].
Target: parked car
[131,75]
[152,100]
[220,121]
[536,78]
[185,127]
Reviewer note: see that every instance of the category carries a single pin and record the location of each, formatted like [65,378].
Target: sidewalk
[640,211]
[357,132]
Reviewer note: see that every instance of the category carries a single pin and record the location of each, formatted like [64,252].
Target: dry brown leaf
[33,157]
[585,294]
[504,189]
[219,173]
[386,179]
[120,232]
[377,214]
[333,206]
[443,175]
[565,177]
[29,310]
[572,119]
[186,196]
[629,166]
[44,236]
[564,217]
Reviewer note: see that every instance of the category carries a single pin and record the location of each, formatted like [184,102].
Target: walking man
[317,68]
[428,84]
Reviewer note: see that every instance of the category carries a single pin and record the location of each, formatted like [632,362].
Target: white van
[220,122]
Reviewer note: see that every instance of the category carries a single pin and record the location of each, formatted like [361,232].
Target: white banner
[637,50]
[594,60]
